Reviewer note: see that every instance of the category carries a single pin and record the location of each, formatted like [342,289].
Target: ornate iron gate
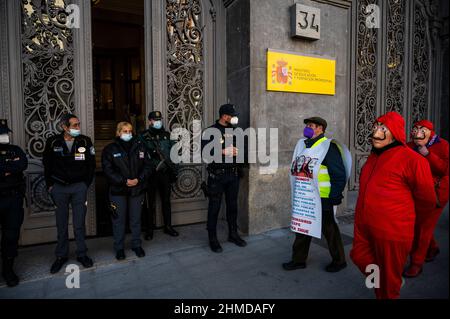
[395,65]
[189,80]
[45,81]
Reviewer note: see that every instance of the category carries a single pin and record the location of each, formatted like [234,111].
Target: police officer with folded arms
[13,162]
[158,143]
[223,178]
[69,168]
[127,168]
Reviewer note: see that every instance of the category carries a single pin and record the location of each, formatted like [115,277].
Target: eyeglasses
[381,127]
[422,130]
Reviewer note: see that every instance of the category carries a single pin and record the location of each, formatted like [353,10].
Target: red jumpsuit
[390,186]
[427,218]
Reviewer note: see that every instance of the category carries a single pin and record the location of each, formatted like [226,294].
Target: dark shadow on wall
[238,82]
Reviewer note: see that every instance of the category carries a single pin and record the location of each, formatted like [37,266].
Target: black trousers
[159,182]
[76,196]
[227,183]
[11,219]
[133,207]
[330,230]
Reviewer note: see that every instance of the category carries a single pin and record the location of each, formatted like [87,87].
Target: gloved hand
[335,201]
[423,150]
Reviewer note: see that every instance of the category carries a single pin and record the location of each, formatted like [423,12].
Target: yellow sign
[289,72]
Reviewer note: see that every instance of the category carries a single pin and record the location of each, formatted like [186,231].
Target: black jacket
[209,139]
[126,160]
[336,169]
[65,166]
[13,162]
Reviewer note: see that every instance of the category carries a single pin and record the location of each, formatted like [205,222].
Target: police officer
[127,168]
[13,162]
[159,144]
[223,178]
[69,167]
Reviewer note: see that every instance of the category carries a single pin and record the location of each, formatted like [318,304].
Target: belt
[9,192]
[221,171]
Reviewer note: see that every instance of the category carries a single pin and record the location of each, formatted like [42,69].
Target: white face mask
[4,139]
[126,137]
[157,125]
[74,133]
[234,120]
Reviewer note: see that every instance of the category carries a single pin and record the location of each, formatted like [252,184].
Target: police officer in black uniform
[158,144]
[69,168]
[127,167]
[13,162]
[224,178]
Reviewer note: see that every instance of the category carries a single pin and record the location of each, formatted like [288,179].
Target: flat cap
[316,120]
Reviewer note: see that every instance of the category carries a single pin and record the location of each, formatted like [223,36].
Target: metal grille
[185,82]
[48,76]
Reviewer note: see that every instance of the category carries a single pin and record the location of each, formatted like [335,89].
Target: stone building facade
[186,58]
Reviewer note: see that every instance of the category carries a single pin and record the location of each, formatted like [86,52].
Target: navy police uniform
[122,161]
[68,175]
[223,178]
[13,162]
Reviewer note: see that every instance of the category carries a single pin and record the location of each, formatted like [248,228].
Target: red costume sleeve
[422,186]
[439,159]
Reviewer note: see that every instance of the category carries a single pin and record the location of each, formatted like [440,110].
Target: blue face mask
[157,125]
[126,137]
[74,133]
[308,132]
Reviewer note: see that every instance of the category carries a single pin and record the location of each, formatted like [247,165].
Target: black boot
[170,231]
[8,273]
[214,242]
[234,237]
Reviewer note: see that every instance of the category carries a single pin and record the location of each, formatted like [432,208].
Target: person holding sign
[319,172]
[435,150]
[394,181]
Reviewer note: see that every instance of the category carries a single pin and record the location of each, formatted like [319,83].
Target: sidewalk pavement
[185,268]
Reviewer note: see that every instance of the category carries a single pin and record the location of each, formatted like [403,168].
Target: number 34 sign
[305,22]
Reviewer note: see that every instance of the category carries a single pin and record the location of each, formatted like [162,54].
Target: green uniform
[158,145]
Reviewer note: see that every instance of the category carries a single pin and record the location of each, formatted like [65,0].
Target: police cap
[228,109]
[154,115]
[4,129]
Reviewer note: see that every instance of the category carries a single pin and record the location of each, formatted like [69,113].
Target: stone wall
[269,195]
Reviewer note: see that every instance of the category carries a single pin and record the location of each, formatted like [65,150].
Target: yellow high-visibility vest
[324,177]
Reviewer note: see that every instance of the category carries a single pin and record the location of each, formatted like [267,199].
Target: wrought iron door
[44,68]
[394,69]
[189,80]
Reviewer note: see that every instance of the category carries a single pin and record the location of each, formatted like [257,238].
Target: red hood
[396,124]
[428,124]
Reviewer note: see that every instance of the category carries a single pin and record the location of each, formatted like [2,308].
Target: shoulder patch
[92,150]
